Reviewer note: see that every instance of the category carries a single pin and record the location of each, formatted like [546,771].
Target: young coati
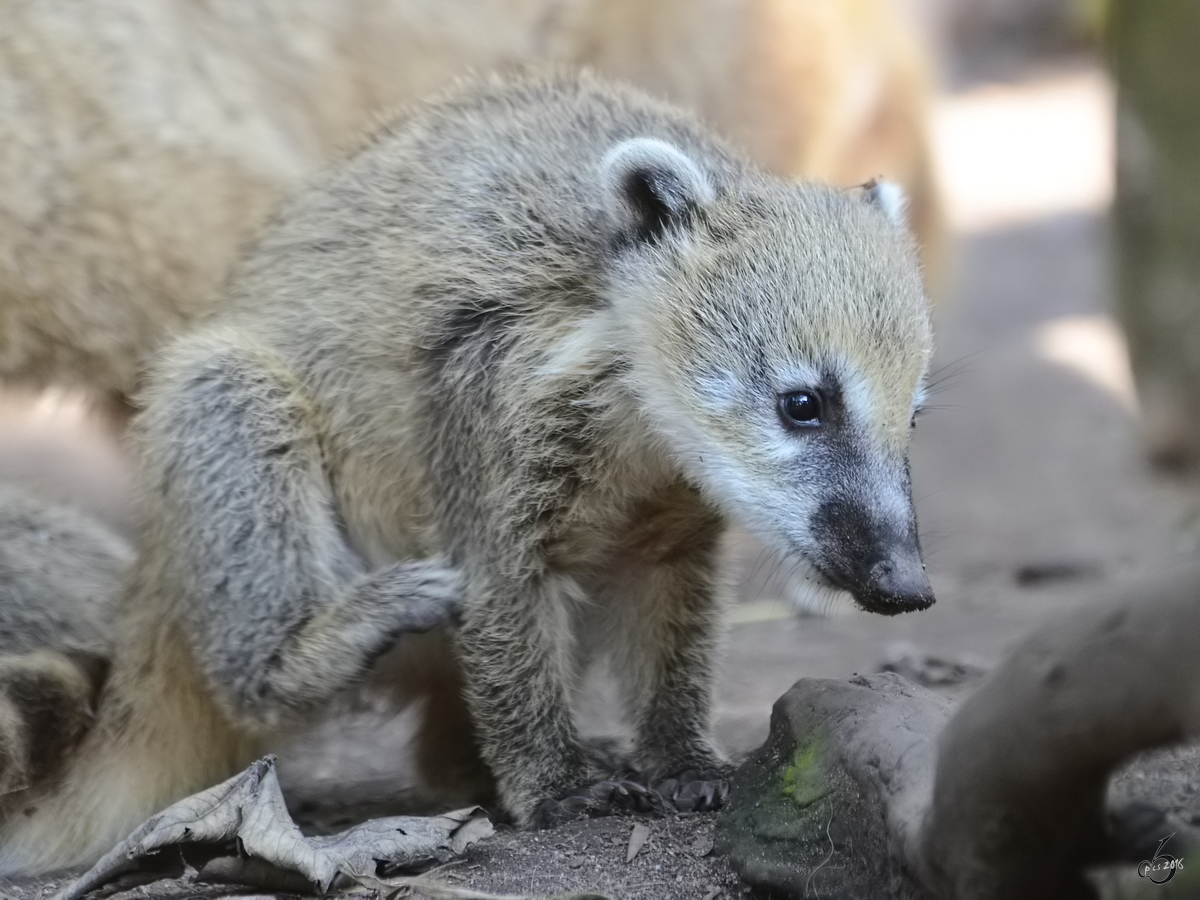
[529,349]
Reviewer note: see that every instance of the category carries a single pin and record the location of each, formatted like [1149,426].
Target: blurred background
[1047,146]
[1043,469]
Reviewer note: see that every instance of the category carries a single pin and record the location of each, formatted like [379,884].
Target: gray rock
[831,804]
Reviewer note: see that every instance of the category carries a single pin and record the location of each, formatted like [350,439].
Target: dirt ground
[1030,488]
[674,863]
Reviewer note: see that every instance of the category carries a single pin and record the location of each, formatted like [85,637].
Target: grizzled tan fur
[145,142]
[526,349]
[59,577]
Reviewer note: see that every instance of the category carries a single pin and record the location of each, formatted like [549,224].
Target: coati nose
[878,562]
[897,584]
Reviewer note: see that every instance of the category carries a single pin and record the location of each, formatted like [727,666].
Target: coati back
[526,352]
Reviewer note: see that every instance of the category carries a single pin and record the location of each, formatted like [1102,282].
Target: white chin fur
[813,597]
[797,585]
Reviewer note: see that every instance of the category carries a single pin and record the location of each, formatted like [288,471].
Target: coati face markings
[858,529]
[782,360]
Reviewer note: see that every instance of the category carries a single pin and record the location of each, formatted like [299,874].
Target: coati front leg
[280,610]
[669,600]
[247,608]
[517,654]
[671,693]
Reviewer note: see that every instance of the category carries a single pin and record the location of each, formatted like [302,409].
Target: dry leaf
[242,830]
[637,839]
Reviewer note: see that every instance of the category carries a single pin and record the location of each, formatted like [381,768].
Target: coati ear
[650,185]
[890,198]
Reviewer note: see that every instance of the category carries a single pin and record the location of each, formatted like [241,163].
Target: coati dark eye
[801,409]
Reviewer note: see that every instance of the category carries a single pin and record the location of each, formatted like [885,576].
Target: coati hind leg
[425,670]
[247,609]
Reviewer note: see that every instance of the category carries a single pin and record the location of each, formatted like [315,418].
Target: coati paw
[696,790]
[430,614]
[603,798]
[432,595]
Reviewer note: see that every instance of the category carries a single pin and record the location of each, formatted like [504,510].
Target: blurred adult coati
[144,142]
[524,355]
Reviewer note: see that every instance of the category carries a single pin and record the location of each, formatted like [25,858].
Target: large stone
[831,804]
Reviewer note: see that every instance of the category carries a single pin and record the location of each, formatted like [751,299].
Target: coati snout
[861,533]
[876,561]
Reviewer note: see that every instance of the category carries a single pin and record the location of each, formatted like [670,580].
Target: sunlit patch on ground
[1091,346]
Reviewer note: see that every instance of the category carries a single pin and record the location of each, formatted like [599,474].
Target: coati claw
[695,791]
[604,798]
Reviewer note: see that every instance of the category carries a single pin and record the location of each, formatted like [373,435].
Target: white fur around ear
[890,198]
[649,185]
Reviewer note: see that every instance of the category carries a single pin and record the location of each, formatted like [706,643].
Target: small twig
[832,850]
[419,885]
